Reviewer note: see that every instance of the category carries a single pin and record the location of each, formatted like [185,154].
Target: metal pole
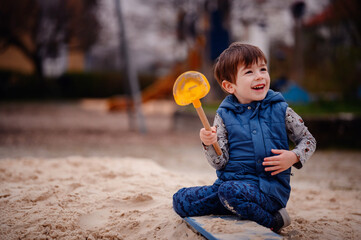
[298,10]
[298,63]
[130,70]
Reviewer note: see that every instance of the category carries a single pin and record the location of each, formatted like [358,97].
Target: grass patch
[322,108]
[328,108]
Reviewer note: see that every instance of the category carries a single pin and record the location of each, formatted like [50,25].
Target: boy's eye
[248,72]
[263,69]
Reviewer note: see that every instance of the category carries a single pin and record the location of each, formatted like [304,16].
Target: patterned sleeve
[300,136]
[218,162]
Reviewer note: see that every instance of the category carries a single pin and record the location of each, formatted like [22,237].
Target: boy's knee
[177,203]
[226,190]
[225,195]
[232,196]
[232,190]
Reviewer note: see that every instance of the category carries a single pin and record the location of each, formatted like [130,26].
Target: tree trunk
[38,64]
[39,75]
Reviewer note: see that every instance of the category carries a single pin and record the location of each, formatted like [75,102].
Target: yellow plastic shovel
[189,88]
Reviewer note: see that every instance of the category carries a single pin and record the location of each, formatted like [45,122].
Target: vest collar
[239,107]
[232,103]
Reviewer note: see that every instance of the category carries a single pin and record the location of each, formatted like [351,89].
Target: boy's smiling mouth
[258,86]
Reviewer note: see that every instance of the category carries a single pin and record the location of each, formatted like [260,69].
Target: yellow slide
[162,87]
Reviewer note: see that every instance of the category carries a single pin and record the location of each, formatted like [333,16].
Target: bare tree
[38,28]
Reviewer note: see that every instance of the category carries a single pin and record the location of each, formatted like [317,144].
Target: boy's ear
[228,86]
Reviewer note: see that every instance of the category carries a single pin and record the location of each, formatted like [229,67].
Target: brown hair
[227,64]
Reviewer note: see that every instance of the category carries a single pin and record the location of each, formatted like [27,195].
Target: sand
[65,179]
[79,198]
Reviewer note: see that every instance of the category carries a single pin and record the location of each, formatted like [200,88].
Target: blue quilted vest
[253,130]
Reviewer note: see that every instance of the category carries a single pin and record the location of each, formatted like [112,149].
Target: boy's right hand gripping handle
[206,125]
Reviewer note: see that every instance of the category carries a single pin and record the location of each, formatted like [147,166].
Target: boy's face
[252,83]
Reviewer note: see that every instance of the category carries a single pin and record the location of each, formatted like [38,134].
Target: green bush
[15,85]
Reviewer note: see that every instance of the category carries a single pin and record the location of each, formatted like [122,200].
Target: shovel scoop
[189,88]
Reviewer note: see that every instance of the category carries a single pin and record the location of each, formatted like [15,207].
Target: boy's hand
[208,137]
[281,162]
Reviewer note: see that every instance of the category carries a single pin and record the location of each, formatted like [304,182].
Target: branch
[17,42]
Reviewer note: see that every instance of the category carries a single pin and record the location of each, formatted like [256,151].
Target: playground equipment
[162,87]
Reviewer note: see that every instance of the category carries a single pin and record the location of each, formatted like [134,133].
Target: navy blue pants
[242,198]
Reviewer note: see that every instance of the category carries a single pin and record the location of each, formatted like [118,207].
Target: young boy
[252,126]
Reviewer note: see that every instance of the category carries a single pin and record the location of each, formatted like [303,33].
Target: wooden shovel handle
[206,125]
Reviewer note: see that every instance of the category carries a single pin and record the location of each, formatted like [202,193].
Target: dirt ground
[324,204]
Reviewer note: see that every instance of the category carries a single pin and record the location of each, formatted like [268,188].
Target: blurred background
[96,76]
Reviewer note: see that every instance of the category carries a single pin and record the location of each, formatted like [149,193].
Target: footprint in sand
[139,202]
[139,198]
[74,186]
[109,175]
[97,219]
[38,195]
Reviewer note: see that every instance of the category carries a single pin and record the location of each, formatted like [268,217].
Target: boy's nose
[258,75]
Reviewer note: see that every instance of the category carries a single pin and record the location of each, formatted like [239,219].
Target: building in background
[151,27]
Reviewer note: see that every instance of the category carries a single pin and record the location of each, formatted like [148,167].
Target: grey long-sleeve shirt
[305,143]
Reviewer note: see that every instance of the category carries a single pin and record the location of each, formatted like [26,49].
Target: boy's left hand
[281,162]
